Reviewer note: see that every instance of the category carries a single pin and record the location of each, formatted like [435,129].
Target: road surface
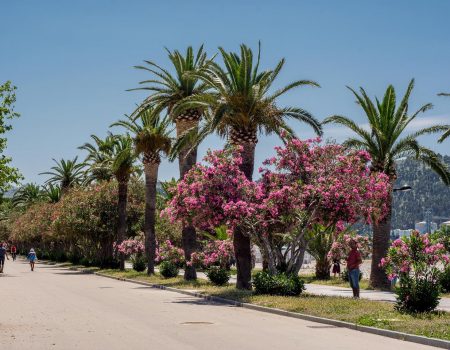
[55,308]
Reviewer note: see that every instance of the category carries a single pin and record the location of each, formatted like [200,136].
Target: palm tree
[51,193]
[121,162]
[446,133]
[151,139]
[241,107]
[66,173]
[96,159]
[385,144]
[167,91]
[27,195]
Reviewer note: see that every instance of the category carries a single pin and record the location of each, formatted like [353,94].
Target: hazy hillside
[428,192]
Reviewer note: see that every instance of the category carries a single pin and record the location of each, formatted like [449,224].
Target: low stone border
[378,331]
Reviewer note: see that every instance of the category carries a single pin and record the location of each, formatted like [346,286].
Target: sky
[72,62]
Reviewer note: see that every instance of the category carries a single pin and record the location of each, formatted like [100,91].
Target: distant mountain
[428,192]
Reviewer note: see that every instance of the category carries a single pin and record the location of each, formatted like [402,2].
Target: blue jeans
[353,277]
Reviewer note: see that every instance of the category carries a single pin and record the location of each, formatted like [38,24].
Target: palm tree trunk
[122,224]
[186,161]
[323,267]
[151,177]
[241,242]
[381,236]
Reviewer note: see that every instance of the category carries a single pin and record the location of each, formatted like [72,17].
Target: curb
[377,331]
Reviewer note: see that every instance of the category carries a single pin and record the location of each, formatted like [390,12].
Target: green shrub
[85,262]
[168,269]
[74,258]
[344,275]
[139,263]
[280,284]
[445,280]
[417,295]
[218,276]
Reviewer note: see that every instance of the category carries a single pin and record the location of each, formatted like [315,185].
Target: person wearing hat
[31,257]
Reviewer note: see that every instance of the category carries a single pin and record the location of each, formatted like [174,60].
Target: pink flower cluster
[304,184]
[341,246]
[129,247]
[418,256]
[168,252]
[215,253]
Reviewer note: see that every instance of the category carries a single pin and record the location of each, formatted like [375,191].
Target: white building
[422,227]
[398,233]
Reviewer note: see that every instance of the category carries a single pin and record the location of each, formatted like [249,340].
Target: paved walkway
[55,308]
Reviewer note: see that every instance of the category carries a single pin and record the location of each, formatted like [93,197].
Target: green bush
[344,275]
[74,258]
[85,262]
[279,284]
[218,276]
[139,263]
[168,269]
[445,280]
[417,295]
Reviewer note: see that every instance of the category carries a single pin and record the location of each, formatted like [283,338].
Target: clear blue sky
[72,60]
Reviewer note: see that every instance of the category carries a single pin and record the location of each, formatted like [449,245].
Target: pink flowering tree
[168,252]
[305,184]
[417,256]
[129,247]
[308,186]
[418,262]
[215,253]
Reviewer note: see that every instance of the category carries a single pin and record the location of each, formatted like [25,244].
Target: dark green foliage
[445,280]
[168,269]
[344,275]
[8,174]
[428,192]
[218,275]
[417,295]
[139,263]
[279,284]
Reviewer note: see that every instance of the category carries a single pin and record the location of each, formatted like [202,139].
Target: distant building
[422,227]
[398,233]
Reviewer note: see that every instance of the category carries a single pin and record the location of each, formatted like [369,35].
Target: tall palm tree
[167,90]
[26,195]
[66,173]
[96,159]
[446,133]
[121,161]
[386,142]
[241,107]
[151,139]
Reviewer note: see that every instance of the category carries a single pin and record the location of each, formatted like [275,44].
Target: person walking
[32,258]
[354,260]
[13,252]
[3,254]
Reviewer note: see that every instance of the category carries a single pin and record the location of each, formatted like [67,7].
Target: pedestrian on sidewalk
[336,267]
[31,257]
[13,252]
[3,254]
[354,260]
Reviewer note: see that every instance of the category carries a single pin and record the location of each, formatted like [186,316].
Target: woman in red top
[13,252]
[353,261]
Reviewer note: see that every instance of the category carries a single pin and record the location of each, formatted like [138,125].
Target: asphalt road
[55,308]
